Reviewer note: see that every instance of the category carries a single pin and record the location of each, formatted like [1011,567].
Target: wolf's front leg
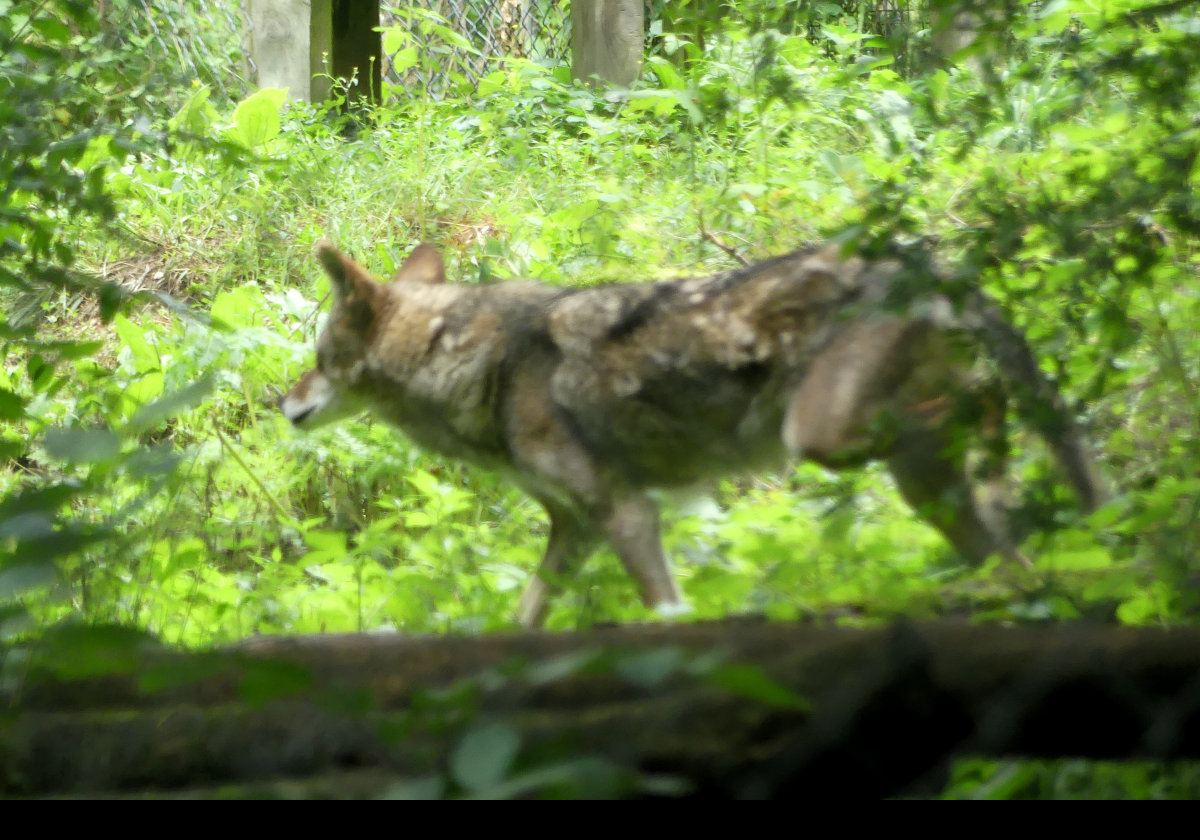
[570,541]
[632,526]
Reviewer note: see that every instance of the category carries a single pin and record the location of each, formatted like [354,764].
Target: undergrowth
[226,523]
[159,296]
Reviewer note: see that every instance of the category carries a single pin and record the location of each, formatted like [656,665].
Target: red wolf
[589,397]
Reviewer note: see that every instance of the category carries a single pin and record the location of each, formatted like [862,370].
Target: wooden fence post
[606,40]
[277,42]
[298,44]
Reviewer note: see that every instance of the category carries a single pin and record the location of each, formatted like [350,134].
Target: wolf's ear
[350,280]
[424,265]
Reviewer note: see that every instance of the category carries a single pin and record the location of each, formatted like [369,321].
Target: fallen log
[731,709]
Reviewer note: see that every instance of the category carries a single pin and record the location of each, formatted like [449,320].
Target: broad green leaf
[21,577]
[197,115]
[484,756]
[12,406]
[82,446]
[754,683]
[395,38]
[453,38]
[651,668]
[404,59]
[145,357]
[422,789]
[185,398]
[237,307]
[667,75]
[256,118]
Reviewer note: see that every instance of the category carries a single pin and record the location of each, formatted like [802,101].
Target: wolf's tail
[1039,400]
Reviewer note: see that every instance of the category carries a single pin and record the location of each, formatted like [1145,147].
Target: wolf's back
[678,380]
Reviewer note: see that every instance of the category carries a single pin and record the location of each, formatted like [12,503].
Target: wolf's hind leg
[631,524]
[930,472]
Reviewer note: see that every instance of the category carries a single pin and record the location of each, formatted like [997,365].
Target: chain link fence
[443,45]
[176,44]
[437,47]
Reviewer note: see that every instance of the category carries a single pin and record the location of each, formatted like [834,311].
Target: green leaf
[427,484]
[145,357]
[422,789]
[484,756]
[14,621]
[651,668]
[185,398]
[753,682]
[82,446]
[453,38]
[12,406]
[52,29]
[394,39]
[21,577]
[196,116]
[112,295]
[69,350]
[403,59]
[43,501]
[237,307]
[256,118]
[666,73]
[152,461]
[330,542]
[1080,560]
[561,667]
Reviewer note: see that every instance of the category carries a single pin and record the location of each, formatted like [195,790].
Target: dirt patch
[467,232]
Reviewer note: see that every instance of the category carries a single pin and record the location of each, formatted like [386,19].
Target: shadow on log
[739,709]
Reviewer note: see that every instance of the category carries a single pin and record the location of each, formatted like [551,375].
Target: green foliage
[149,481]
[1072,780]
[59,136]
[484,756]
[427,52]
[85,451]
[256,118]
[1052,196]
[49,113]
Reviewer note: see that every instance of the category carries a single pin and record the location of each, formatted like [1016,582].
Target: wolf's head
[328,392]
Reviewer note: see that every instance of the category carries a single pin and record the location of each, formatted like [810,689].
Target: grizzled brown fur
[590,397]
